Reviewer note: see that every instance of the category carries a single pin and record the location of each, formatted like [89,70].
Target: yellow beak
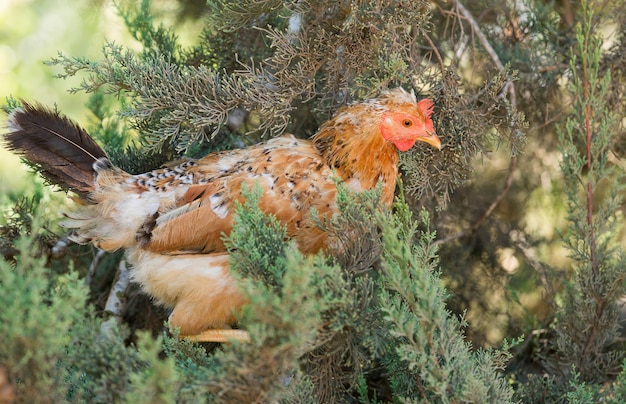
[432,140]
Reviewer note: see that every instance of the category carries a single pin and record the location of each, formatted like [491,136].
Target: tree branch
[479,33]
[60,247]
[94,266]
[116,302]
[509,88]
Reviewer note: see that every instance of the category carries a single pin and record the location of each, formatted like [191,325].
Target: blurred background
[497,275]
[501,232]
[32,32]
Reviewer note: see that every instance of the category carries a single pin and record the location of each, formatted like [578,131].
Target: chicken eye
[407,123]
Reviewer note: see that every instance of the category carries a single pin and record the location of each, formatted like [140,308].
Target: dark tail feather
[62,151]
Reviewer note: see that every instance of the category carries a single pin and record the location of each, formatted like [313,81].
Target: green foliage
[53,348]
[257,248]
[372,320]
[294,64]
[586,347]
[156,40]
[98,367]
[587,323]
[299,316]
[156,381]
[282,323]
[230,16]
[19,219]
[319,332]
[617,392]
[428,356]
[581,393]
[34,322]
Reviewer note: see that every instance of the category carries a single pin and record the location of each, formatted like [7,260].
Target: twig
[566,13]
[600,302]
[116,303]
[436,52]
[479,33]
[94,266]
[58,249]
[589,164]
[509,88]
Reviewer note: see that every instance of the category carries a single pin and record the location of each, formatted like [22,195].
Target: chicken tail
[60,150]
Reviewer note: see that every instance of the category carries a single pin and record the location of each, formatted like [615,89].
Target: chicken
[171,220]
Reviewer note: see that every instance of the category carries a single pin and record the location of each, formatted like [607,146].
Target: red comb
[427,106]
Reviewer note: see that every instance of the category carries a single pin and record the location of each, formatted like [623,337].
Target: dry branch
[116,302]
[509,88]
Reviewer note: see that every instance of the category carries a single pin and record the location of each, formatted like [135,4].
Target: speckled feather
[171,220]
[291,173]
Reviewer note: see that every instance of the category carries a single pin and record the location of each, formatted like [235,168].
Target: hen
[171,220]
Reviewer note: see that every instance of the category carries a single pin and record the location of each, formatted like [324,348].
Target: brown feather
[293,177]
[198,287]
[63,152]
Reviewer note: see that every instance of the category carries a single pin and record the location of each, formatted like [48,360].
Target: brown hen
[171,221]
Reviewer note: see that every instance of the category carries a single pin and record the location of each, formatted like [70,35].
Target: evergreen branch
[229,16]
[442,65]
[479,33]
[141,25]
[588,149]
[508,87]
[431,357]
[587,323]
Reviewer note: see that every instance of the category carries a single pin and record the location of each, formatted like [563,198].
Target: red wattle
[404,144]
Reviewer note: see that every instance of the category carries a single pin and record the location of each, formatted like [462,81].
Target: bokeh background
[495,277]
[32,32]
